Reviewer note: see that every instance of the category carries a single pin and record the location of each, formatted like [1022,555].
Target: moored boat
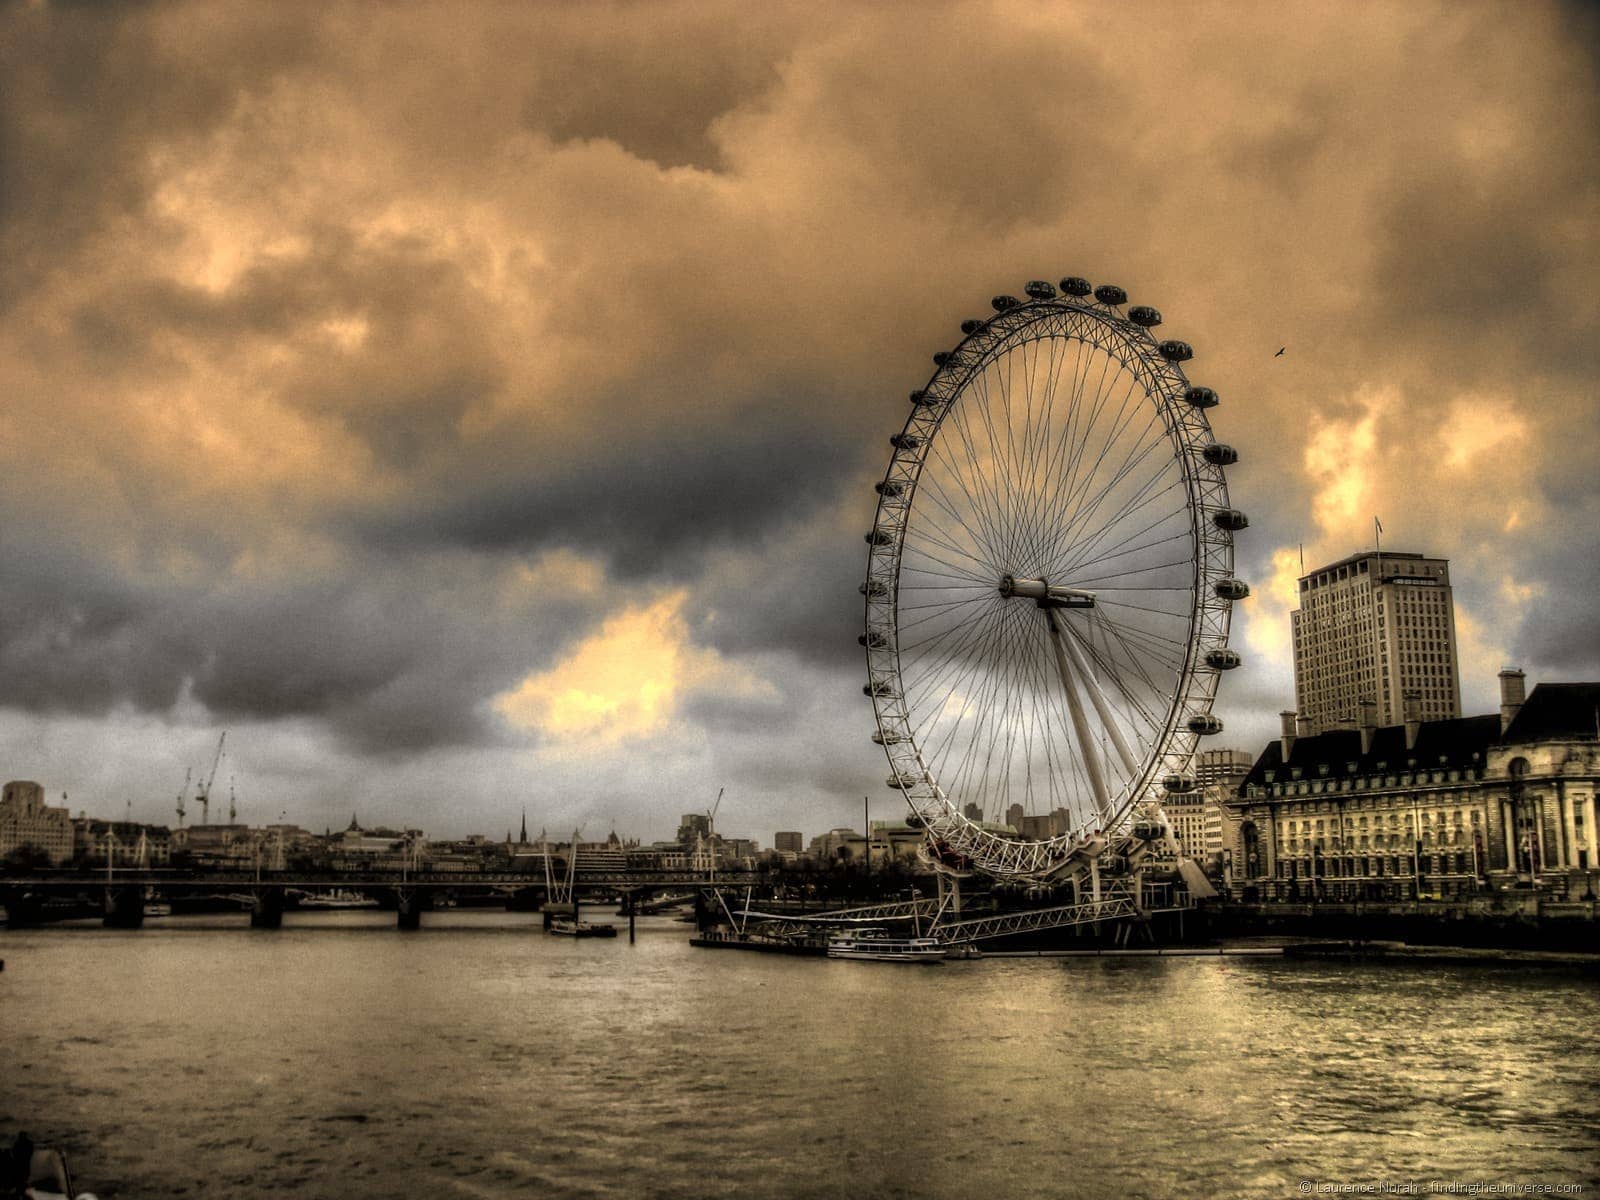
[874,945]
[567,927]
[338,898]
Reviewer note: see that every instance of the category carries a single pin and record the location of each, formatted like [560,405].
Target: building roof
[1557,710]
[1351,560]
[1552,710]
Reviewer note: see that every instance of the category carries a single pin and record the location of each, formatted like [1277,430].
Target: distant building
[894,841]
[126,843]
[1226,768]
[1428,808]
[25,820]
[692,826]
[788,842]
[1373,628]
[826,847]
[1186,814]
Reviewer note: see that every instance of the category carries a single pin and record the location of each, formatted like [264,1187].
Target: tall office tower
[1376,627]
[1222,768]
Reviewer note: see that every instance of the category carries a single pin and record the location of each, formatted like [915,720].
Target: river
[337,1057]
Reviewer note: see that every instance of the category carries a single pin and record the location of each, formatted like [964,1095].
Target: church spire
[524,838]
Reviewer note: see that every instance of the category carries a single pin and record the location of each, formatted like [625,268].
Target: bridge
[122,893]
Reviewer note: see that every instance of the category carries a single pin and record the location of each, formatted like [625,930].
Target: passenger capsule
[1232,589]
[889,487]
[915,820]
[1179,783]
[905,441]
[878,687]
[878,537]
[1110,294]
[1219,455]
[1204,723]
[1143,314]
[1040,290]
[921,399]
[1148,831]
[1074,286]
[875,588]
[1223,659]
[1230,519]
[1201,397]
[891,738]
[1002,303]
[873,640]
[971,327]
[1176,351]
[947,358]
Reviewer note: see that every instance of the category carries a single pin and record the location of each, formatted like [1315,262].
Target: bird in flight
[1279,354]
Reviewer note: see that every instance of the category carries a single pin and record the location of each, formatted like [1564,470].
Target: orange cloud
[629,680]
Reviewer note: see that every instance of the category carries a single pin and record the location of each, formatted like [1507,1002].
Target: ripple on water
[359,1064]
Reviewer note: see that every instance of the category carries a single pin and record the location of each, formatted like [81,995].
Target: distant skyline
[477,407]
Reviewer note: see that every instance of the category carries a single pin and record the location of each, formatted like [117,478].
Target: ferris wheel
[1049,584]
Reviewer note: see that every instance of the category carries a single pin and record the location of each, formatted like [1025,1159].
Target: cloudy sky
[471,407]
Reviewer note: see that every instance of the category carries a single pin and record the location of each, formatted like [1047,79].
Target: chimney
[1513,691]
[1302,726]
[1413,711]
[1289,732]
[1369,724]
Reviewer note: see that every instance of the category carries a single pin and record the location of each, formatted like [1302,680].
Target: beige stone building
[26,820]
[1375,627]
[1431,809]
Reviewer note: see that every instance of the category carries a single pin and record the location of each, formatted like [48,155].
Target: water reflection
[336,1057]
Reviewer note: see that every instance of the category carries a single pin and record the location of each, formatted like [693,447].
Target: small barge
[567,927]
[727,939]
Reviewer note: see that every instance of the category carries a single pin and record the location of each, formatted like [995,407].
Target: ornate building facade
[1428,809]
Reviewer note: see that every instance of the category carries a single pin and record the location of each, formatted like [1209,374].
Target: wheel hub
[1046,594]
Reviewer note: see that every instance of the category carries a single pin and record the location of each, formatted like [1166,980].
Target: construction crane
[203,793]
[711,843]
[188,773]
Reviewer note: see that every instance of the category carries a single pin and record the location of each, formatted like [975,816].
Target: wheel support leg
[1080,725]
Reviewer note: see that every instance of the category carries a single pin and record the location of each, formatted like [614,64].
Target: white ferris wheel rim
[1162,754]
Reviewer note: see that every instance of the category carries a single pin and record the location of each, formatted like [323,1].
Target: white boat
[874,945]
[338,898]
[157,908]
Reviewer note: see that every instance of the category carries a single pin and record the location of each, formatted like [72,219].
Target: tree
[26,858]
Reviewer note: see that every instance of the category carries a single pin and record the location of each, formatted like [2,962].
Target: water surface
[337,1057]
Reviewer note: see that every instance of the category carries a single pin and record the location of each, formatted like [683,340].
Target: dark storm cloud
[86,90]
[394,656]
[648,502]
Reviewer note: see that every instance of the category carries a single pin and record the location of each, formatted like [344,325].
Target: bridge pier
[24,910]
[123,907]
[408,908]
[266,909]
